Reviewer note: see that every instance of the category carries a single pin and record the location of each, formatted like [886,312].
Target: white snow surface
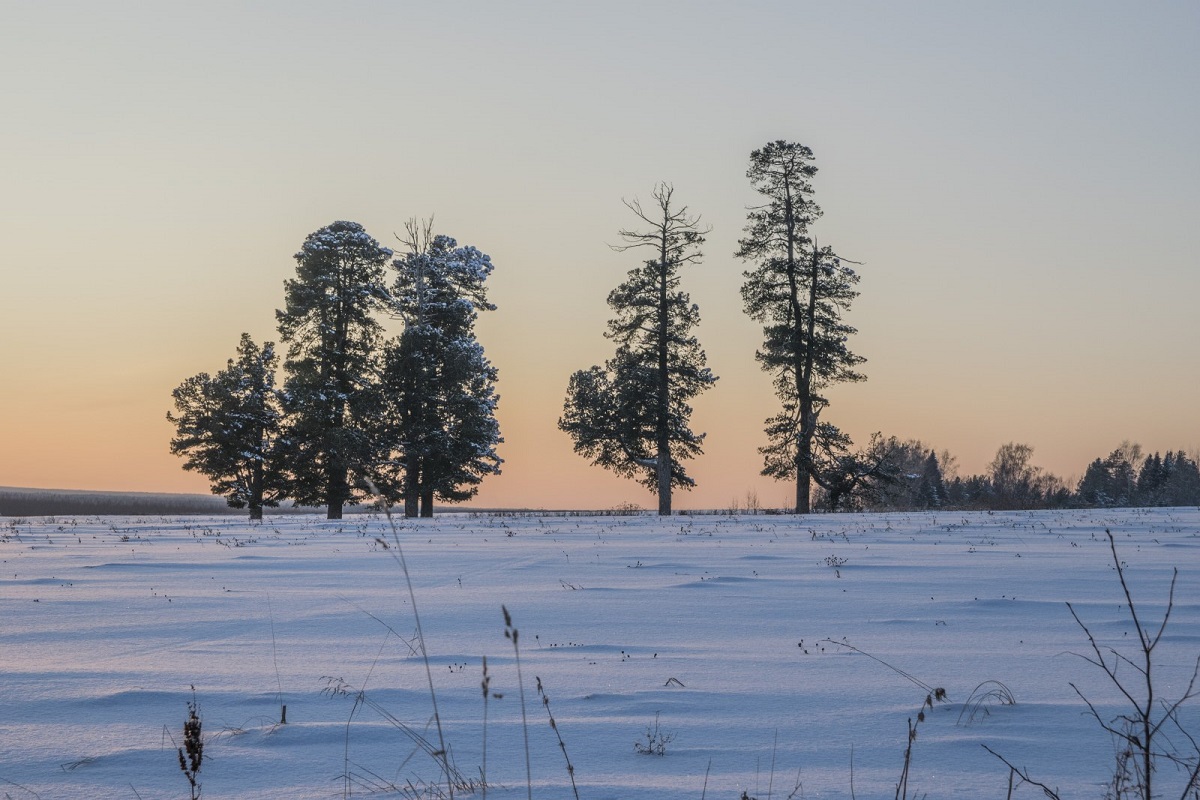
[713,625]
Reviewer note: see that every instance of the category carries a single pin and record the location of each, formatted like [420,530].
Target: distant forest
[912,476]
[16,502]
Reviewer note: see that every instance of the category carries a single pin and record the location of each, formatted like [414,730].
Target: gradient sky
[1021,181]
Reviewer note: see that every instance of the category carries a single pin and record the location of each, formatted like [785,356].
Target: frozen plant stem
[852,771]
[512,634]
[485,684]
[275,661]
[554,726]
[398,554]
[938,694]
[771,779]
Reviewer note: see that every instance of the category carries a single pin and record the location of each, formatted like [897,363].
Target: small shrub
[191,755]
[1149,733]
[656,740]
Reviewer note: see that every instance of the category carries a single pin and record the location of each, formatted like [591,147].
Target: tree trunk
[412,491]
[336,491]
[804,389]
[337,485]
[256,491]
[664,482]
[412,485]
[803,492]
[662,398]
[427,503]
[804,457]
[800,360]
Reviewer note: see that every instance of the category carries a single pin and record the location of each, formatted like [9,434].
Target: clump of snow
[724,631]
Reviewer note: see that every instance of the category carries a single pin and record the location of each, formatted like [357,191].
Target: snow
[723,628]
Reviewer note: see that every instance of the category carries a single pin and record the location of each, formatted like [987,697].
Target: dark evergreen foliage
[1180,480]
[333,337]
[228,425]
[1095,488]
[1113,481]
[931,489]
[438,431]
[632,415]
[1170,480]
[798,291]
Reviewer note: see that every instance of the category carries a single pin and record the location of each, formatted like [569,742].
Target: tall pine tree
[798,292]
[632,416]
[931,491]
[333,336]
[439,428]
[228,428]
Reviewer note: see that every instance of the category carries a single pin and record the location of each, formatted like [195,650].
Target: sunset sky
[1020,180]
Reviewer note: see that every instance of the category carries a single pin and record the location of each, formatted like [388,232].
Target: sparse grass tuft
[988,693]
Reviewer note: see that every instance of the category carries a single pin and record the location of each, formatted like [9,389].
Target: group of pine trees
[632,415]
[1126,477]
[411,417]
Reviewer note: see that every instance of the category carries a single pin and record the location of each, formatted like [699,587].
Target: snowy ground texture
[716,627]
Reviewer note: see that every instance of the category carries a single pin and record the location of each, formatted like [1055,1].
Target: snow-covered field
[722,630]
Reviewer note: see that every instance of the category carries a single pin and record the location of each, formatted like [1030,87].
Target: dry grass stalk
[561,744]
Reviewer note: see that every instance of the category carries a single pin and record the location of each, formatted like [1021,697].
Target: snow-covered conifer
[438,431]
[228,426]
[333,338]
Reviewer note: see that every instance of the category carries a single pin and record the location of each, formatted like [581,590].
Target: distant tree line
[915,477]
[79,503]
